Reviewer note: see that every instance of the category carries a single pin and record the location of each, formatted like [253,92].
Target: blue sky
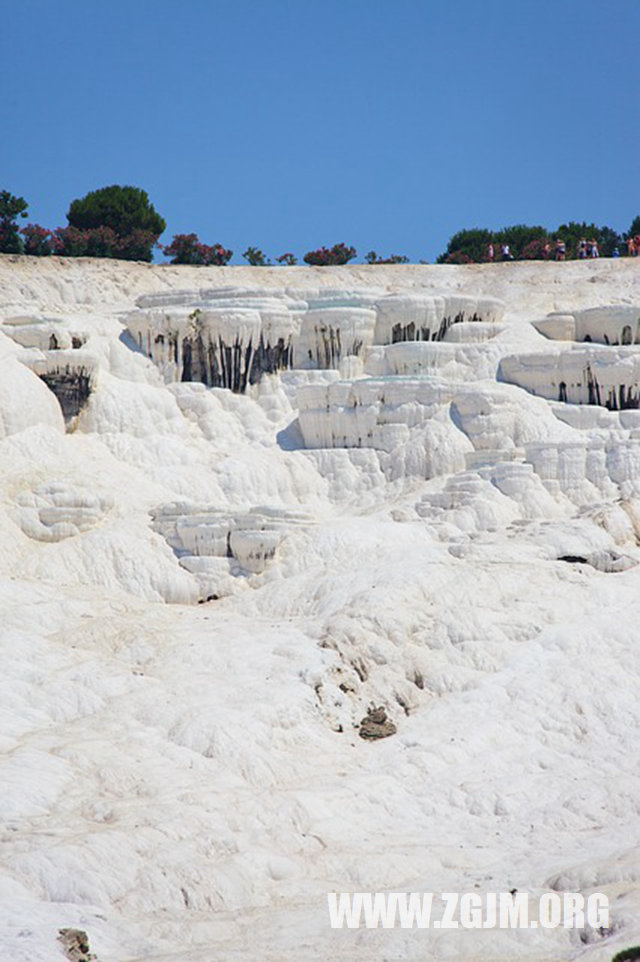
[289,124]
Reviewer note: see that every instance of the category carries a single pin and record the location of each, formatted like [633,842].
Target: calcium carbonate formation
[231,338]
[243,527]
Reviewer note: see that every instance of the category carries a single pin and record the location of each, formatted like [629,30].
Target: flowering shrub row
[329,256]
[187,249]
[95,242]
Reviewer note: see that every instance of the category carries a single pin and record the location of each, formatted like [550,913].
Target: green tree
[124,209]
[467,245]
[11,207]
[609,240]
[634,229]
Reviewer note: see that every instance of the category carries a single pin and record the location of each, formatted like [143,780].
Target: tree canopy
[11,207]
[123,209]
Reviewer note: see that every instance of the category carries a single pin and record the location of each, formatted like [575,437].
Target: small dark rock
[376,725]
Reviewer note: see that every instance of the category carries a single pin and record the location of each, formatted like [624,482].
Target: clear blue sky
[289,124]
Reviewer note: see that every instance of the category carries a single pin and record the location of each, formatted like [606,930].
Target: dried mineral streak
[72,387]
[421,317]
[602,376]
[231,339]
[221,347]
[68,374]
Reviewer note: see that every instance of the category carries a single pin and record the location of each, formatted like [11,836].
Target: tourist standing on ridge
[506,253]
[582,248]
[592,247]
[490,253]
[561,250]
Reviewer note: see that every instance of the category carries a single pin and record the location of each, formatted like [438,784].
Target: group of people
[587,249]
[633,246]
[505,253]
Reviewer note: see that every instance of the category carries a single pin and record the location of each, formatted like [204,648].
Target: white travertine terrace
[610,324]
[604,376]
[212,544]
[231,338]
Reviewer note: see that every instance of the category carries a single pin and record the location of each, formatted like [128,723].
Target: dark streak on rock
[71,386]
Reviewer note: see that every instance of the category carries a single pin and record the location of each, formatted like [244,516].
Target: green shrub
[255,257]
[373,258]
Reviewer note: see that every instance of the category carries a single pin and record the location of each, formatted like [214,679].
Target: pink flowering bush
[136,245]
[69,242]
[187,249]
[101,242]
[289,260]
[330,256]
[536,250]
[458,257]
[37,240]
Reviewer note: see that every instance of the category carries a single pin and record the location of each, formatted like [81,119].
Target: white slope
[186,782]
